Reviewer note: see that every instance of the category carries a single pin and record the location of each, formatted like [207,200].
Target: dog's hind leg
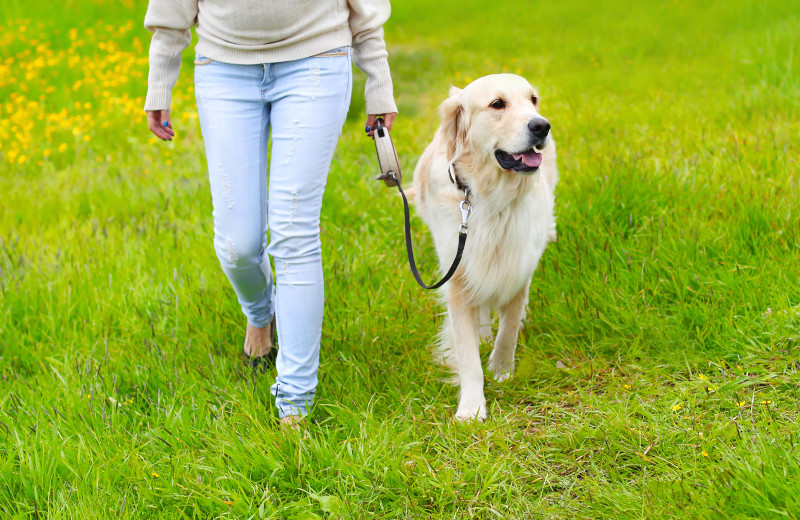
[486,323]
[501,361]
[465,324]
[444,351]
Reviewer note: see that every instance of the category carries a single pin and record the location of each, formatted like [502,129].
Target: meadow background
[658,368]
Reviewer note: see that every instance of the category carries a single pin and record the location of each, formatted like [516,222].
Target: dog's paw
[467,414]
[502,369]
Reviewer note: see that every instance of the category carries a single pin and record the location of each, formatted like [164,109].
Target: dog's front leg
[501,361]
[465,324]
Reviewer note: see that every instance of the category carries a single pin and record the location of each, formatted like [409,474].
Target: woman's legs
[309,103]
[305,103]
[235,123]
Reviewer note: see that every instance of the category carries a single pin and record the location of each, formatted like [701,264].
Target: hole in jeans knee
[233,255]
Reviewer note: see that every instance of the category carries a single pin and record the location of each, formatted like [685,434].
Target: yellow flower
[62,147]
[740,404]
[704,378]
[676,407]
[626,387]
[155,474]
[705,453]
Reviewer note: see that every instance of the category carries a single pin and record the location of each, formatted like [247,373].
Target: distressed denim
[303,105]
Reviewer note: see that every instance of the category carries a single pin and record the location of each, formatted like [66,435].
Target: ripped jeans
[303,104]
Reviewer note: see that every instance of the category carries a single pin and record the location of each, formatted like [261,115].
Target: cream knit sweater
[249,32]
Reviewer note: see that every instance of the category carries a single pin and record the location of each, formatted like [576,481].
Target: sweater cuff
[158,99]
[379,92]
[163,75]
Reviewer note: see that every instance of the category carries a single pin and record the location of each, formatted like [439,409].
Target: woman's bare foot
[259,341]
[291,423]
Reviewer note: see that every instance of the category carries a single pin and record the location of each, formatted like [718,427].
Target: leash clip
[466,208]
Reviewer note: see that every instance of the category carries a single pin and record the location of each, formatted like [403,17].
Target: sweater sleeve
[369,52]
[170,21]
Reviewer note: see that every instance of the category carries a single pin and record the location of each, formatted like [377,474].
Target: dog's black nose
[540,127]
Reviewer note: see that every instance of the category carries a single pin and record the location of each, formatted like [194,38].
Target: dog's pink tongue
[531,159]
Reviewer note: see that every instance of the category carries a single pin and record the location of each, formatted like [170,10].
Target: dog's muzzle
[527,161]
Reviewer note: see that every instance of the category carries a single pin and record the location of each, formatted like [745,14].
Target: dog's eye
[535,100]
[498,104]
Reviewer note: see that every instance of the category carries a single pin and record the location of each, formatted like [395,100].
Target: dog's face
[497,118]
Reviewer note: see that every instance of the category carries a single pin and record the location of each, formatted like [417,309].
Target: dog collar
[451,172]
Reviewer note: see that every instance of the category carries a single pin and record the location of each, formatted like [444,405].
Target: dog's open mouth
[519,162]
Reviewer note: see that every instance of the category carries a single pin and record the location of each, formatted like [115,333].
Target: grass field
[658,371]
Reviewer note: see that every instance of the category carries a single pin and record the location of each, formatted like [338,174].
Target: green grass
[658,373]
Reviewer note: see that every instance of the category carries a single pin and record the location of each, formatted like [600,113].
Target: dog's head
[496,119]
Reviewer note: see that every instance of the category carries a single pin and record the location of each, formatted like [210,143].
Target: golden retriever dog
[493,142]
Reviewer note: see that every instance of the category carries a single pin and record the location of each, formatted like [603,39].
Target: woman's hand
[160,125]
[388,119]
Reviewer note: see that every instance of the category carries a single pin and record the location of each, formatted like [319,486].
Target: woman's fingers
[159,123]
[370,124]
[388,121]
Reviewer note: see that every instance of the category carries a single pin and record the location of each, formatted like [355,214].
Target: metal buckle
[466,208]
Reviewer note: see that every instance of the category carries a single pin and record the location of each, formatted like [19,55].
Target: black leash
[466,208]
[390,174]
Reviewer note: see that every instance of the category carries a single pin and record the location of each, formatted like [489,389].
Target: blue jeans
[304,103]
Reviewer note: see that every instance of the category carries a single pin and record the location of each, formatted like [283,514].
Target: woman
[284,66]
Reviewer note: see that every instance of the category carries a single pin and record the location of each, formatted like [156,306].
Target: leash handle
[466,209]
[387,155]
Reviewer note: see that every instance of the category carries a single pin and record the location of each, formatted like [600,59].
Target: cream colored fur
[511,223]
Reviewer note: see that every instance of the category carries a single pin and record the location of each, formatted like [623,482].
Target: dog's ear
[454,122]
